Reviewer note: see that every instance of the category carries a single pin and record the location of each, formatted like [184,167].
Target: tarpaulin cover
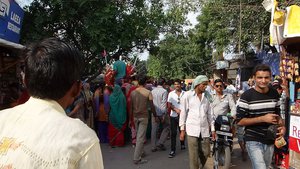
[271,59]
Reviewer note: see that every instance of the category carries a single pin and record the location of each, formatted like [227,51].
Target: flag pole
[105,56]
[135,61]
[105,60]
[133,67]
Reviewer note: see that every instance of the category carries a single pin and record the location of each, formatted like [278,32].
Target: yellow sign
[292,22]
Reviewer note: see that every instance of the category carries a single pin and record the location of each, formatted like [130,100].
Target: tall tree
[231,25]
[176,58]
[224,25]
[93,26]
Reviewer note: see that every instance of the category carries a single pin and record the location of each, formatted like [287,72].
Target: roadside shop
[285,32]
[11,16]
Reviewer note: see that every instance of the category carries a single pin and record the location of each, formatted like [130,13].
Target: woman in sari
[101,118]
[117,117]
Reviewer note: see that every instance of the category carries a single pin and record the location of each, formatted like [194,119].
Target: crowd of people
[164,108]
[131,109]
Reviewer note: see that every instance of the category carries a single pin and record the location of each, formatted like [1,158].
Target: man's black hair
[51,68]
[262,67]
[161,81]
[177,80]
[116,57]
[170,82]
[218,80]
[142,80]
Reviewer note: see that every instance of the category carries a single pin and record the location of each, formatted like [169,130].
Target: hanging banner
[11,17]
[292,22]
[276,26]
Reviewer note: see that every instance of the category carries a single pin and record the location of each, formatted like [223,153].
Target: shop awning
[11,45]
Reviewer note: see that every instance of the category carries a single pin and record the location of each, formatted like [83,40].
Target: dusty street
[121,158]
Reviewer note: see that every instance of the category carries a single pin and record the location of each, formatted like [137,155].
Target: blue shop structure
[11,17]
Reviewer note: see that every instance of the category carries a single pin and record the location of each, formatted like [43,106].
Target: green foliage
[218,30]
[117,26]
[219,25]
[123,26]
[176,58]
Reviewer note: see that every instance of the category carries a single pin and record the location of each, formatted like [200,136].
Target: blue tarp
[271,59]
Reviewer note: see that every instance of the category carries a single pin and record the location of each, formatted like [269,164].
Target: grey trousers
[141,128]
[164,134]
[199,149]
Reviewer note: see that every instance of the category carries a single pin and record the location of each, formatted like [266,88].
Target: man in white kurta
[196,119]
[38,133]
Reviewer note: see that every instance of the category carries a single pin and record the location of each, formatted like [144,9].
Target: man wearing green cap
[196,119]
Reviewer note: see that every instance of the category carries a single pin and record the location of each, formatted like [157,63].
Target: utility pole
[262,40]
[240,28]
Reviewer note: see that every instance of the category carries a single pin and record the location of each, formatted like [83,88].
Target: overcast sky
[22,3]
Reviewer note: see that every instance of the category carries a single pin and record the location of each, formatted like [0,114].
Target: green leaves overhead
[220,20]
[118,26]
[176,58]
[218,30]
[123,26]
[91,25]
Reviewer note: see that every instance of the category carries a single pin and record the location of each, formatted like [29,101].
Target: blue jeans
[240,133]
[102,131]
[260,154]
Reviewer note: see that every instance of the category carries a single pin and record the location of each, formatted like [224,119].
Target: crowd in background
[108,108]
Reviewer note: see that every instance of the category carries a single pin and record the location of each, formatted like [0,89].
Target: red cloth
[115,136]
[109,77]
[129,71]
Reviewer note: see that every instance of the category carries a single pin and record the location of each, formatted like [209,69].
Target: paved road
[121,158]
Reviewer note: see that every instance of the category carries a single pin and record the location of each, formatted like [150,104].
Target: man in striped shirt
[258,110]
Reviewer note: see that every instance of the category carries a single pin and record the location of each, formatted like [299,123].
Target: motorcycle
[222,146]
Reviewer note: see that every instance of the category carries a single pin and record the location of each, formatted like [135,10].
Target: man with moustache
[196,119]
[258,110]
[174,100]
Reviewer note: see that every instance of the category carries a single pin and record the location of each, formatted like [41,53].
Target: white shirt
[223,105]
[38,134]
[160,96]
[210,90]
[196,115]
[175,100]
[230,89]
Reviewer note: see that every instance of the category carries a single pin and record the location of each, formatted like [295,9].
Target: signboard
[222,64]
[233,56]
[11,17]
[294,141]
